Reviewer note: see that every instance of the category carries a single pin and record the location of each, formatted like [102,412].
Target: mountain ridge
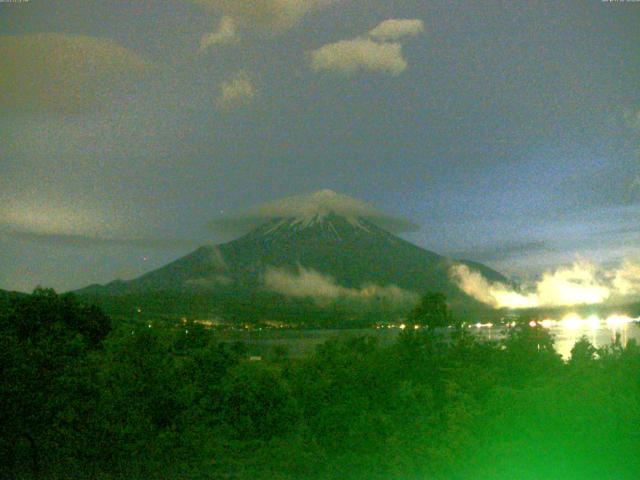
[343,254]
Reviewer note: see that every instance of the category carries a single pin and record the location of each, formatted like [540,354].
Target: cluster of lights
[573,321]
[401,326]
[617,320]
[481,325]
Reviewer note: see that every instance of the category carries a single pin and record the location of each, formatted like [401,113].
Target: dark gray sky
[510,131]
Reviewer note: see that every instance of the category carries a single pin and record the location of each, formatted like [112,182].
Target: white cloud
[307,283]
[57,72]
[572,286]
[47,216]
[305,209]
[237,91]
[275,15]
[360,54]
[395,28]
[627,279]
[581,283]
[379,52]
[498,295]
[53,222]
[225,34]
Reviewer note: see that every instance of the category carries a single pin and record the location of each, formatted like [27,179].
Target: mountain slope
[344,253]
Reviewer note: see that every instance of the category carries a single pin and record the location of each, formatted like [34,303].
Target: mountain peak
[305,210]
[325,192]
[310,209]
[324,225]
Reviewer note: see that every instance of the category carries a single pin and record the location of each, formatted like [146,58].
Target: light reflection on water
[570,328]
[566,331]
[599,332]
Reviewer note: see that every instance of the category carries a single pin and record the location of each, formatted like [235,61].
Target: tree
[256,403]
[45,389]
[45,313]
[583,352]
[432,310]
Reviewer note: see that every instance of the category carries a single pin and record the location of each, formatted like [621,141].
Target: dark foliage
[151,401]
[432,310]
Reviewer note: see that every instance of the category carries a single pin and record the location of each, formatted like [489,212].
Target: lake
[600,332]
[566,331]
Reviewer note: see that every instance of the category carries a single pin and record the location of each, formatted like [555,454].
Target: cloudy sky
[509,131]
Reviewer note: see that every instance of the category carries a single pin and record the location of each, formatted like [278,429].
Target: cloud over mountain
[580,284]
[307,208]
[308,283]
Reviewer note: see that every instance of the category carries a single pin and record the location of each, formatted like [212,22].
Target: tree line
[82,397]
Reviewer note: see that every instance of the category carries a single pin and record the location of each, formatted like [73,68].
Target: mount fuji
[320,258]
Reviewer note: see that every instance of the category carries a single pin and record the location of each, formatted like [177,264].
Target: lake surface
[600,332]
[566,331]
